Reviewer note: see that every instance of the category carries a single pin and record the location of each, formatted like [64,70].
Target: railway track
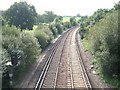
[86,77]
[50,79]
[76,79]
[41,79]
[64,67]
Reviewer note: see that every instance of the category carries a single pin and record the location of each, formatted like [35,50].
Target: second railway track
[64,67]
[73,73]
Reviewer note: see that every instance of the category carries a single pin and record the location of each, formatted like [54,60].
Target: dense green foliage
[58,26]
[5,58]
[104,43]
[20,48]
[21,15]
[47,17]
[43,34]
[87,22]
[53,30]
[73,21]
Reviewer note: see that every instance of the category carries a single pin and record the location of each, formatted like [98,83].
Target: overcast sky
[64,7]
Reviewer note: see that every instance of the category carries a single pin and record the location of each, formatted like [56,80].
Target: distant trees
[21,15]
[99,14]
[73,21]
[56,27]
[47,17]
[58,24]
[2,17]
[78,15]
[43,35]
[50,16]
[87,22]
[117,6]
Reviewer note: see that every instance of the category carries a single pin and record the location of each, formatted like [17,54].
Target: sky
[64,7]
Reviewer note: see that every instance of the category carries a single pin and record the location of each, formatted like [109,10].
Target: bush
[5,59]
[30,47]
[53,30]
[105,42]
[44,35]
[66,25]
[42,38]
[59,28]
[31,50]
[22,48]
[11,42]
[83,32]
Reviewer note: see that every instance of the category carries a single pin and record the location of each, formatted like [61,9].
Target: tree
[105,40]
[78,15]
[73,21]
[49,16]
[2,17]
[40,19]
[21,15]
[99,14]
[117,6]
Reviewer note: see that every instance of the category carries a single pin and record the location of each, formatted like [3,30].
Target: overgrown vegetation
[103,39]
[105,43]
[20,48]
[43,34]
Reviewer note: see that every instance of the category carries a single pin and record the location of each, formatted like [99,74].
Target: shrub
[83,32]
[66,25]
[30,47]
[5,59]
[22,48]
[59,28]
[53,30]
[44,35]
[105,42]
[11,42]
[42,38]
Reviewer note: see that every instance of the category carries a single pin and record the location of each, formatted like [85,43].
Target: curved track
[64,67]
[51,74]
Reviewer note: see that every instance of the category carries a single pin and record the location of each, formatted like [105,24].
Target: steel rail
[88,83]
[60,60]
[45,69]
